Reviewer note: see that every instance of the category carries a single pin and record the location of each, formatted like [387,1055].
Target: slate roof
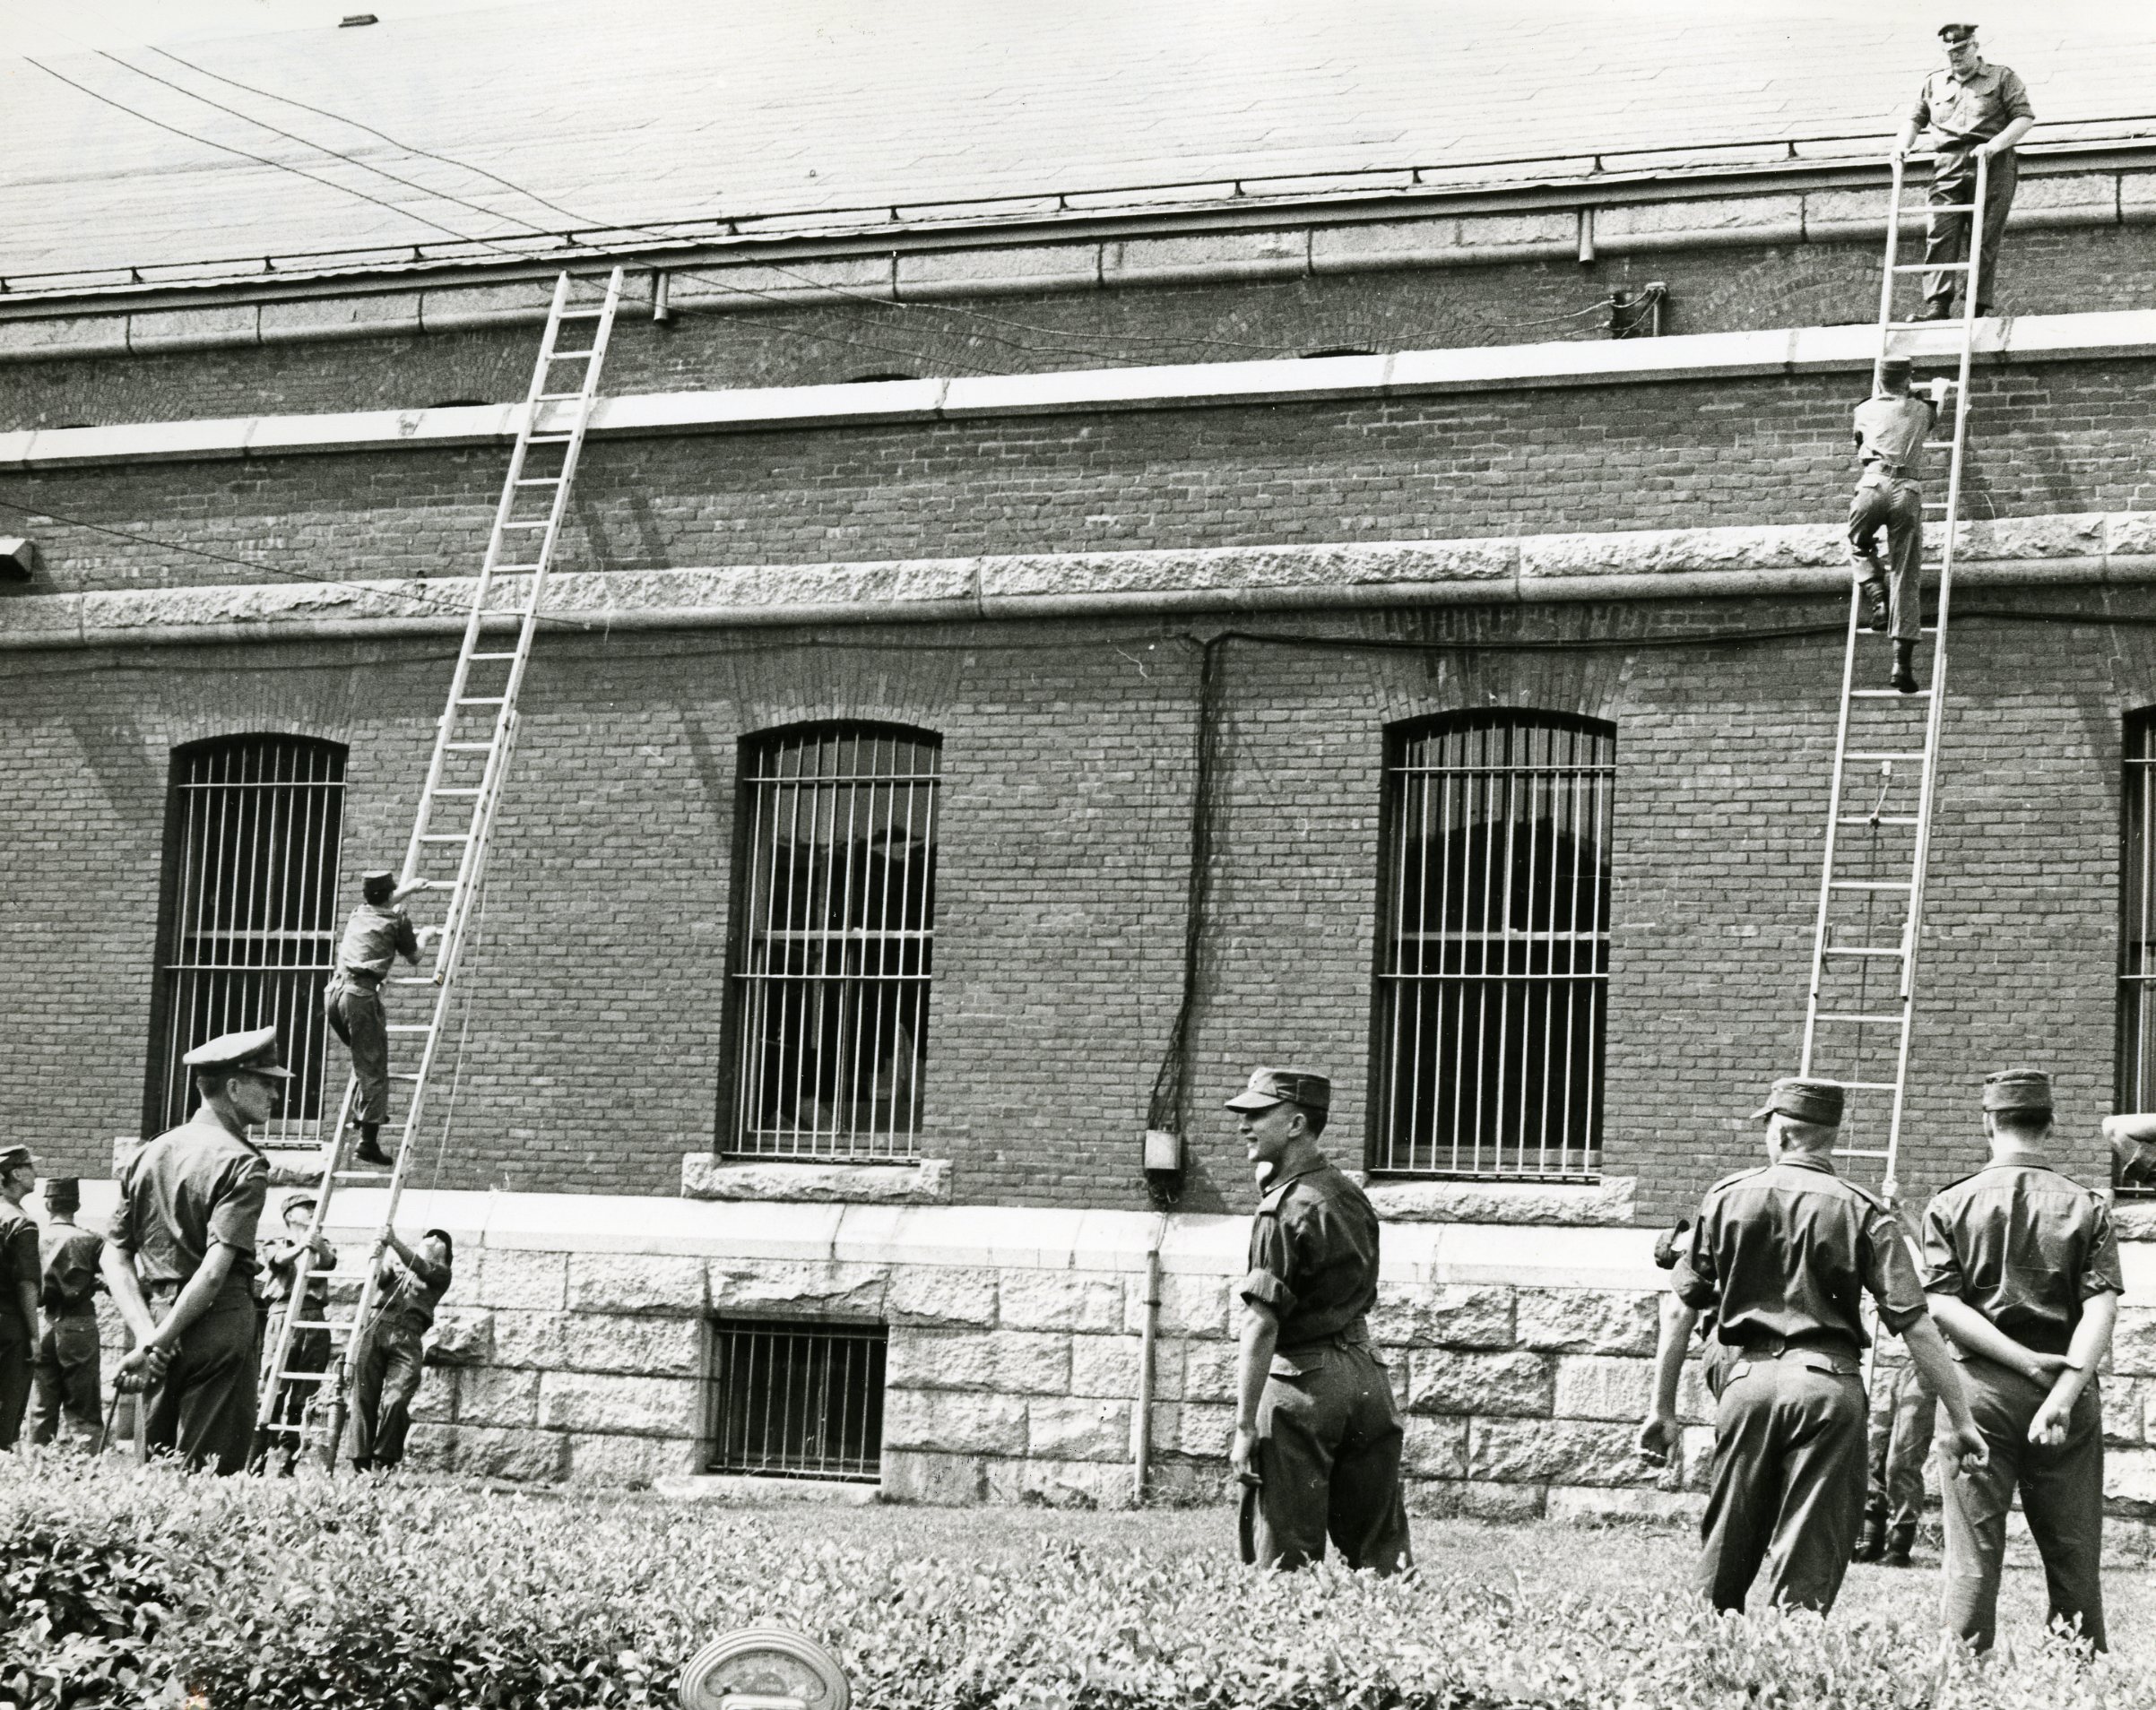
[624,111]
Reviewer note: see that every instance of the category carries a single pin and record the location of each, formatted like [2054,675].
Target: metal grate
[837,902]
[1493,947]
[798,1400]
[2137,927]
[252,840]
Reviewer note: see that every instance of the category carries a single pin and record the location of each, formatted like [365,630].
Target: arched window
[1493,945]
[247,921]
[2137,1078]
[834,915]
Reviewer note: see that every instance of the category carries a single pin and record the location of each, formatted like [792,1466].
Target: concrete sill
[1571,1204]
[746,1492]
[926,1181]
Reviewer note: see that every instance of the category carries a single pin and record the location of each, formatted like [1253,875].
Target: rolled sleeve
[237,1212]
[1274,1273]
[1694,1280]
[1890,1274]
[2103,1276]
[1919,112]
[1262,1288]
[2013,97]
[119,1228]
[407,940]
[1942,1272]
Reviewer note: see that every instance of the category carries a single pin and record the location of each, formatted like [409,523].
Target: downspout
[1141,1424]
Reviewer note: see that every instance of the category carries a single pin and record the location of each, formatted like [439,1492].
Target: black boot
[1936,308]
[1875,605]
[1898,1540]
[1871,1542]
[370,1150]
[1904,675]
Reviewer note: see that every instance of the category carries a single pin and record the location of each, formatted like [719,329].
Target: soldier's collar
[1277,1181]
[1808,1160]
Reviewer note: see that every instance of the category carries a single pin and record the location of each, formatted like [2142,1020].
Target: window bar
[1450,988]
[269,950]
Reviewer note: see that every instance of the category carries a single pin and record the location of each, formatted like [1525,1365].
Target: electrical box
[1164,1153]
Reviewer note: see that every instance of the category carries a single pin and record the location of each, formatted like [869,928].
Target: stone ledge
[1562,1203]
[927,1182]
[746,1492]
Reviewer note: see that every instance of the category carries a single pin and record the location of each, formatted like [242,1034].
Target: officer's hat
[2018,1090]
[253,1052]
[63,1193]
[1952,33]
[1817,1102]
[15,1158]
[379,886]
[2133,1148]
[1271,1086]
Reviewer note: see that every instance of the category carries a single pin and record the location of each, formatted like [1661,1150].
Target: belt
[1766,1345]
[359,977]
[1353,1335]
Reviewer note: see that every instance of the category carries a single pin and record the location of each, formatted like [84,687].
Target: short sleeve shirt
[1891,432]
[373,939]
[1975,109]
[19,1263]
[71,1271]
[411,1292]
[2025,1247]
[1788,1250]
[192,1188]
[1314,1256]
[274,1284]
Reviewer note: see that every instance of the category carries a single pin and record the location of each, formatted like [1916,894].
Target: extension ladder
[1886,771]
[473,741]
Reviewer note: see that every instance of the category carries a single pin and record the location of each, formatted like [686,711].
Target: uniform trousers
[204,1409]
[1889,502]
[2062,1491]
[354,1009]
[1901,1430]
[1953,179]
[69,1379]
[383,1388]
[1787,1487]
[1329,1450]
[16,1351]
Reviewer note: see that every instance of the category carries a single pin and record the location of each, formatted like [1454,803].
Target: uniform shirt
[2024,1246]
[1965,112]
[281,1265]
[373,939]
[70,1271]
[1786,1251]
[187,1190]
[411,1292]
[1313,1256]
[19,1263]
[1891,432]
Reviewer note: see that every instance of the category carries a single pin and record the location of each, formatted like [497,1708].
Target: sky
[66,26]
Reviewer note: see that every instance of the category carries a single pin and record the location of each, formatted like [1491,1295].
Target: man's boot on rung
[1904,678]
[370,1150]
[1875,605]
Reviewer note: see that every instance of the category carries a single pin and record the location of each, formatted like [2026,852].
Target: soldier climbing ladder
[473,740]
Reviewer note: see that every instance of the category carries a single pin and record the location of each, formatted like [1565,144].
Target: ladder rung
[475,657]
[1868,885]
[1945,207]
[303,1377]
[468,748]
[571,356]
[361,1175]
[1868,819]
[558,397]
[540,480]
[1888,694]
[324,1324]
[548,439]
[1860,1151]
[410,980]
[582,315]
[1862,1021]
[408,1027]
[394,1075]
[446,837]
[1931,267]
[498,700]
[1882,755]
[1859,950]
[459,790]
[546,522]
[1859,1086]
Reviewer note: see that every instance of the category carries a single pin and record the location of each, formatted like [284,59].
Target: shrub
[126,1588]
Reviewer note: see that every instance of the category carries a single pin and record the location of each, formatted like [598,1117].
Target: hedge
[124,1587]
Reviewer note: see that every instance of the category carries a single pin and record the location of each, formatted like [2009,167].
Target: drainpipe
[1141,1424]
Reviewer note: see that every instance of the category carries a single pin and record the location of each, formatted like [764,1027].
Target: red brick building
[1036,639]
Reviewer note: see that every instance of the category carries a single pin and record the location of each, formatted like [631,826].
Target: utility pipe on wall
[1141,1421]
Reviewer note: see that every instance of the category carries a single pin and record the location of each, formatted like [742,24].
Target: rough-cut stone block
[1190,1306]
[1758,219]
[2134,1343]
[1206,255]
[461,1336]
[1606,1202]
[1694,1467]
[629,1463]
[925,1183]
[972,272]
[659,1283]
[2136,194]
[1588,1320]
[529,1282]
[644,1347]
[538,1339]
[954,1422]
[1108,1365]
[1078,1429]
[1504,1504]
[1025,1362]
[2126,1407]
[1435,1448]
[69,336]
[1442,1380]
[1604,1387]
[436,1402]
[945,1481]
[939,1294]
[498,1395]
[483,1451]
[1060,1484]
[2130,1478]
[1089,1300]
[810,1290]
[341,316]
[575,1400]
[1417,1314]
[430,1448]
[1601,1502]
[1199,1429]
[194,329]
[1208,1371]
[1557,1451]
[1384,243]
[1515,232]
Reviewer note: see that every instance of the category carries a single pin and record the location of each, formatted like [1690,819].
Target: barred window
[2136,1077]
[801,1401]
[248,920]
[1492,946]
[834,937]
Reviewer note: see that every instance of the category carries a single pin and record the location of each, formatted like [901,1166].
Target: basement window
[797,1400]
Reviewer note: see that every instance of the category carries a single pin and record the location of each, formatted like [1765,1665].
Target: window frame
[871,1335]
[1578,1160]
[2133,1003]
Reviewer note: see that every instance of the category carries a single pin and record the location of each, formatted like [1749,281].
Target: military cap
[2017,1090]
[2133,1148]
[1667,1242]
[64,1193]
[15,1158]
[378,884]
[253,1052]
[1818,1103]
[1896,367]
[298,1202]
[1956,33]
[1271,1086]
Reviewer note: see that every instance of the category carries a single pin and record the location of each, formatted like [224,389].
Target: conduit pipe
[2123,569]
[1142,1420]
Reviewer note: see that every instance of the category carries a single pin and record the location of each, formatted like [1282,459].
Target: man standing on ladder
[1971,108]
[393,1360]
[378,932]
[1890,430]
